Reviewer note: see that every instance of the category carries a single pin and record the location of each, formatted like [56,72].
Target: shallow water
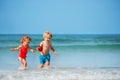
[62,74]
[74,50]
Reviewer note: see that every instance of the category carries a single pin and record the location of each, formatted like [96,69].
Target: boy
[46,46]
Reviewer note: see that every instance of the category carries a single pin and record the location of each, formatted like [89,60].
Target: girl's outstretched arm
[32,50]
[15,49]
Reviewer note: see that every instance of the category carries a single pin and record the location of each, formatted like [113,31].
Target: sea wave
[62,74]
[71,41]
[74,47]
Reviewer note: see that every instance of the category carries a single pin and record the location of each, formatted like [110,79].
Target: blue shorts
[44,58]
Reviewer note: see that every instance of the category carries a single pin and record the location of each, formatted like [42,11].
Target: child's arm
[15,49]
[41,44]
[54,51]
[32,50]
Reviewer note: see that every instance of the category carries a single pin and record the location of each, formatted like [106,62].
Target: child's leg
[42,61]
[47,65]
[23,62]
[20,60]
[41,66]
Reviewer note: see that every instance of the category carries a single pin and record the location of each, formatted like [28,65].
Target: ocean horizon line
[53,33]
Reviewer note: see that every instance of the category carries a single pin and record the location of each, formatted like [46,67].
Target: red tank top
[23,52]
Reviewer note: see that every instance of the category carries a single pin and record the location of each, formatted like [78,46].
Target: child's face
[47,38]
[26,42]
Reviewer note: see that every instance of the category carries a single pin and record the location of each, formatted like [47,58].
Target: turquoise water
[74,50]
[81,57]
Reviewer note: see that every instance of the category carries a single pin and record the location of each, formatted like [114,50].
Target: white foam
[62,74]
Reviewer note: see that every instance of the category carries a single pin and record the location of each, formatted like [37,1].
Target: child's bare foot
[22,68]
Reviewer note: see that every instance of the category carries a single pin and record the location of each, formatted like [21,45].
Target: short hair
[25,38]
[47,34]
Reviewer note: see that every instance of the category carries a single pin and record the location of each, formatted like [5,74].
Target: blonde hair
[24,38]
[47,34]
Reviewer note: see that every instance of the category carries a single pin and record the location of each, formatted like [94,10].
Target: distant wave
[75,47]
[66,41]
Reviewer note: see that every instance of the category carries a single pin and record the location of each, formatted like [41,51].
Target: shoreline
[62,74]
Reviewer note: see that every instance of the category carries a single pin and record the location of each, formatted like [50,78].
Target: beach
[80,57]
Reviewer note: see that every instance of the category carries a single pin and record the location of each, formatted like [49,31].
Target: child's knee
[47,63]
[20,59]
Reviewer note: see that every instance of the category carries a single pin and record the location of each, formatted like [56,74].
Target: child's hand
[32,50]
[12,49]
[55,53]
[37,48]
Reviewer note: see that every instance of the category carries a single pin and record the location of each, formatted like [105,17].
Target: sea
[80,57]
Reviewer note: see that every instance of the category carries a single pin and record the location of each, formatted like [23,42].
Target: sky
[60,16]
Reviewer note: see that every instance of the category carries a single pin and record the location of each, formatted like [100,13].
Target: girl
[23,47]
